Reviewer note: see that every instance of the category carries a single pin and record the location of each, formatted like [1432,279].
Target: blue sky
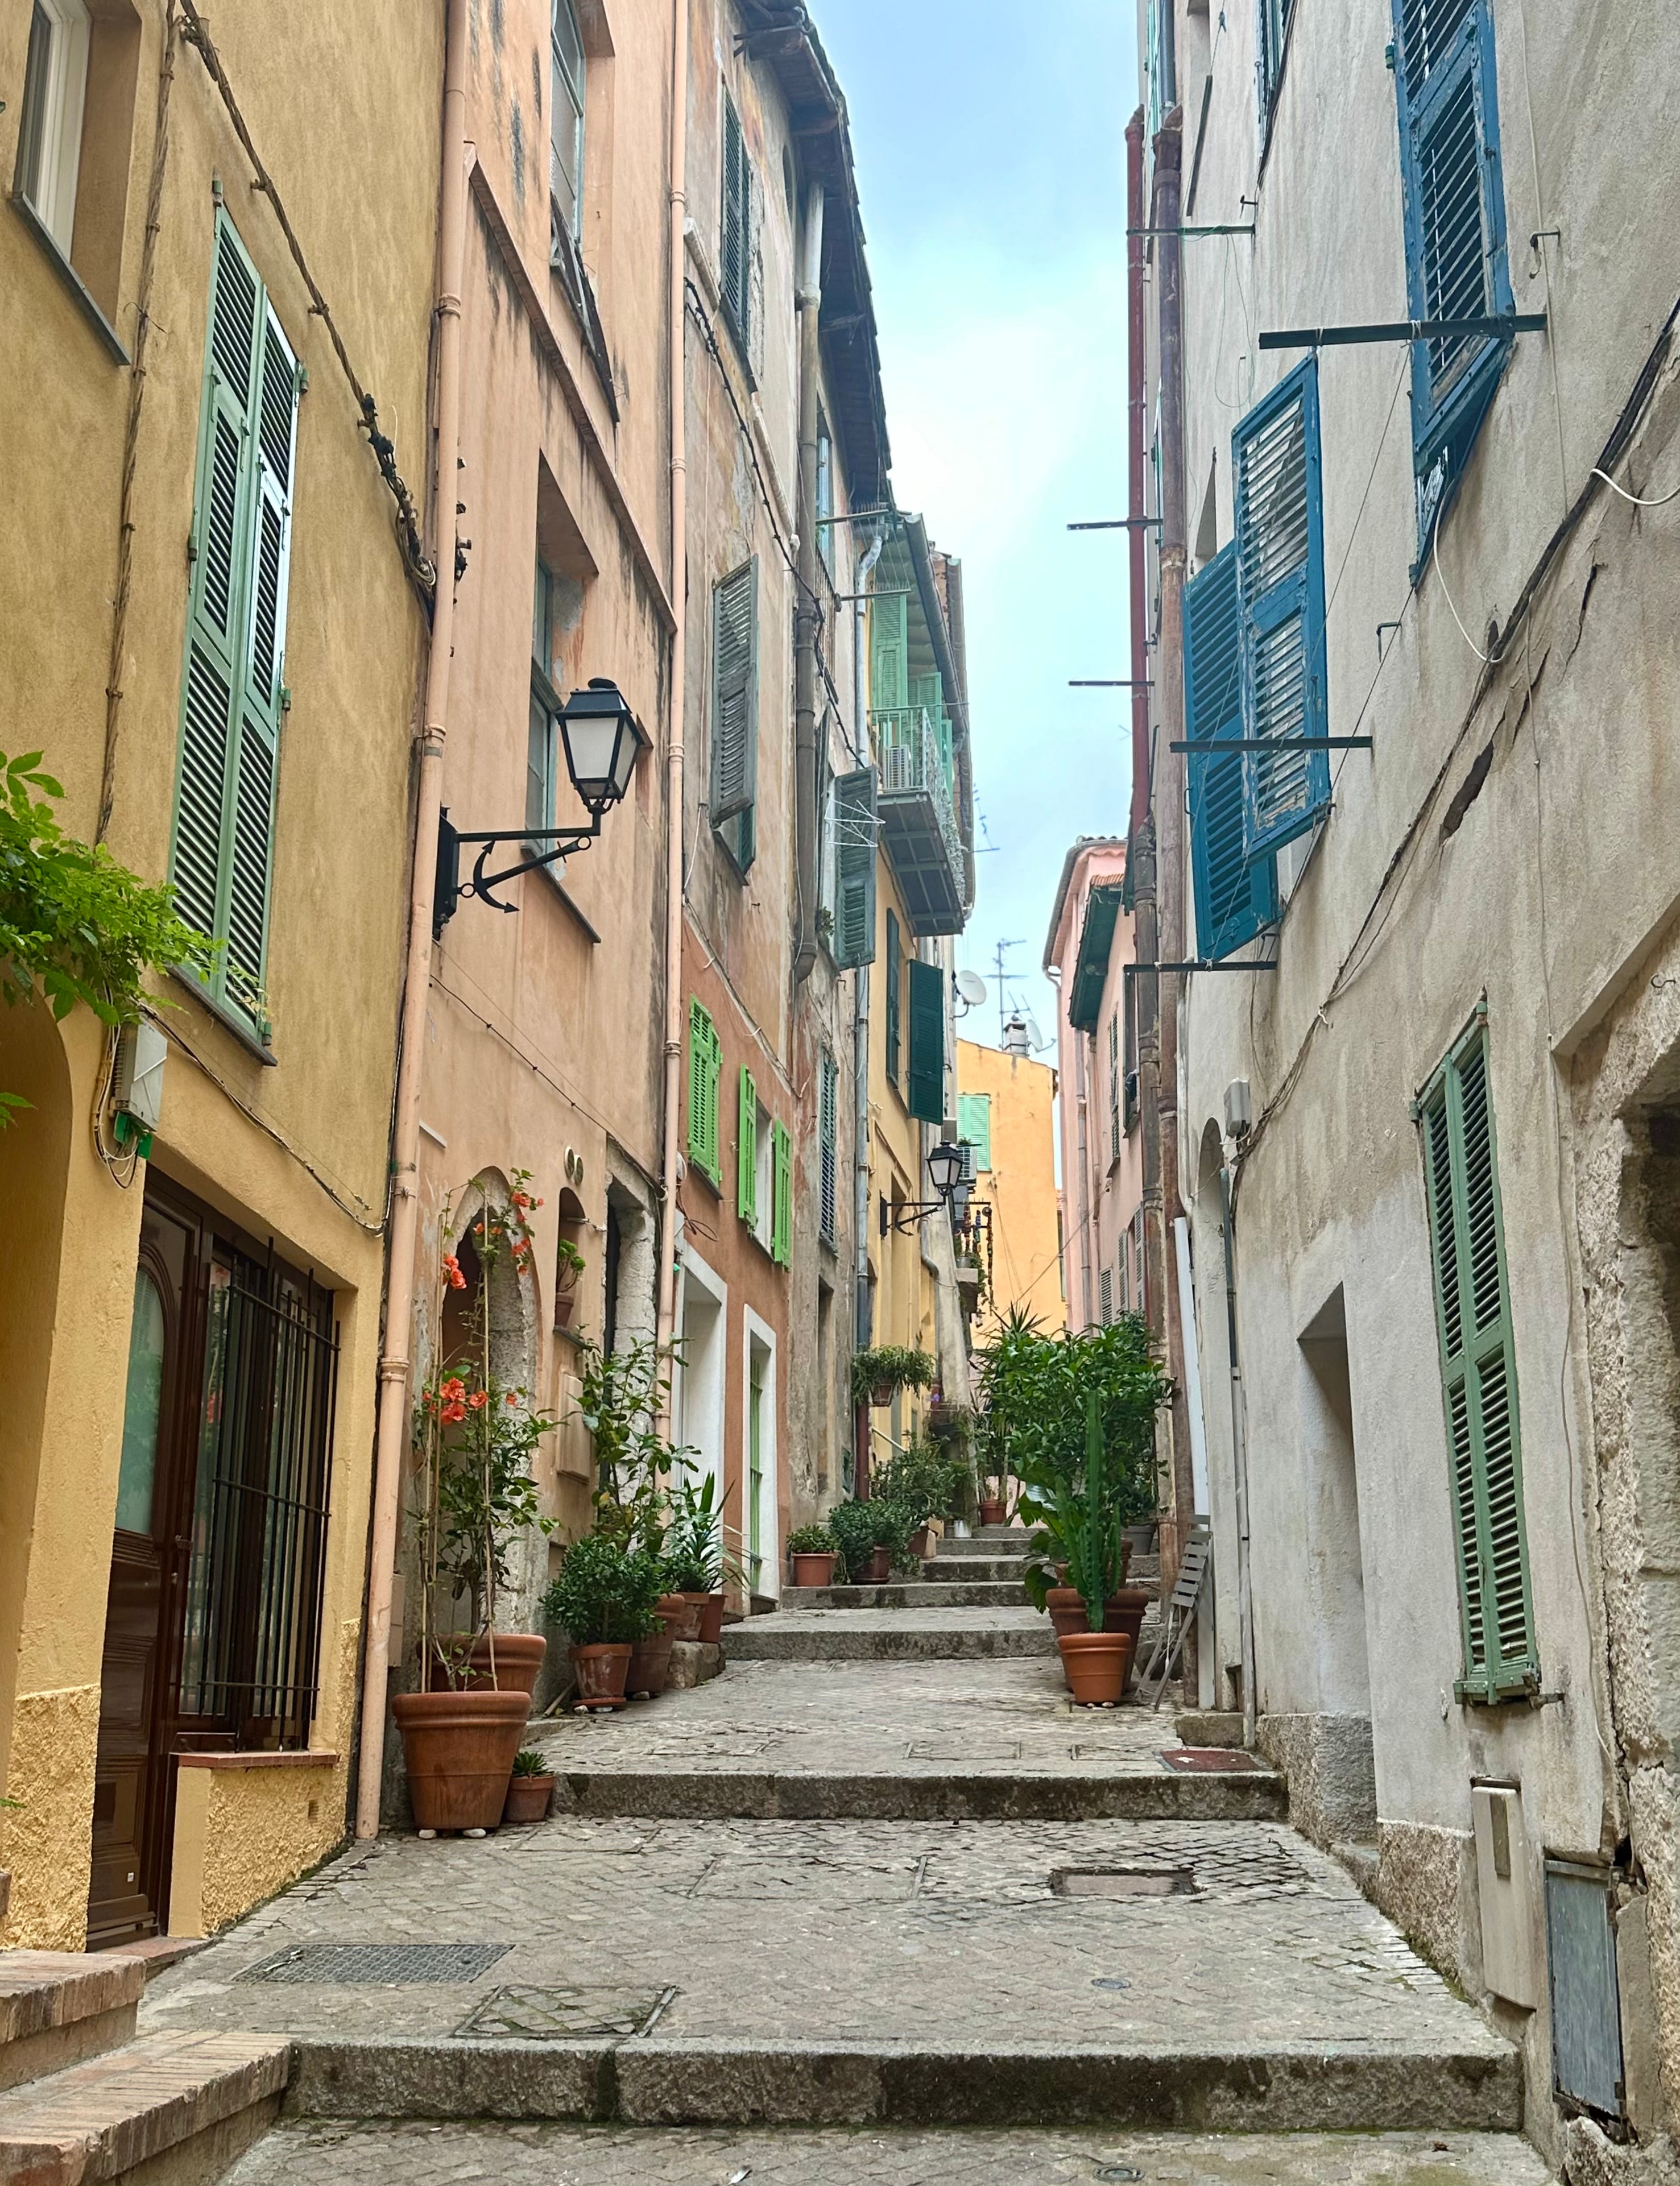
[991,160]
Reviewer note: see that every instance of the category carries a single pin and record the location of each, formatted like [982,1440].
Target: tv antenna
[1018,942]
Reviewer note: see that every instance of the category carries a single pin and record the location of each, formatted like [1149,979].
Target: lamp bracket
[449,888]
[911,1211]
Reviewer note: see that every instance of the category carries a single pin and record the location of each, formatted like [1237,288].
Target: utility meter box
[1505,1885]
[138,1090]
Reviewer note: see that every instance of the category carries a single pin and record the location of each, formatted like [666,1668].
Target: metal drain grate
[565,2015]
[390,1966]
[1123,1881]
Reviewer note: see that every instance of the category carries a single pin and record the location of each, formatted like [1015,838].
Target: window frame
[560,71]
[54,109]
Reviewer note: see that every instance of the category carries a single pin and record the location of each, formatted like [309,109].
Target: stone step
[969,1571]
[909,1593]
[869,1635]
[58,2007]
[185,2104]
[1007,1541]
[380,2154]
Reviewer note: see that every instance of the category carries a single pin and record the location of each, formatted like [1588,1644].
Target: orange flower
[512,1397]
[451,1413]
[479,1399]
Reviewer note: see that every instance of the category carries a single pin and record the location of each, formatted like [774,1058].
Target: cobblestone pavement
[974,1935]
[1002,1718]
[549,2156]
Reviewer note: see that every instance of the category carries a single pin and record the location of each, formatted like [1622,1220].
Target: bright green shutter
[747,1152]
[1478,1377]
[233,685]
[781,1195]
[703,1062]
[925,1094]
[888,652]
[974,1125]
[854,869]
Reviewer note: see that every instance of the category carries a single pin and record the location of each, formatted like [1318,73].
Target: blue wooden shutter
[747,1151]
[1234,899]
[1456,263]
[1478,1373]
[854,868]
[1280,591]
[234,684]
[925,1091]
[735,689]
[781,1194]
[828,1105]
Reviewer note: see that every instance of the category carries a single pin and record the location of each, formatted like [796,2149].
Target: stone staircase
[84,2098]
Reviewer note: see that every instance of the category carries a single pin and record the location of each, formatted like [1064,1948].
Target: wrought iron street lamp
[945,1173]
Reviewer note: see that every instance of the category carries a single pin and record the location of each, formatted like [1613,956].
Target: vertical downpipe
[805,615]
[866,560]
[391,1428]
[1251,1701]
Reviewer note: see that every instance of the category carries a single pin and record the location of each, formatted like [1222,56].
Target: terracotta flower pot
[681,1615]
[1095,1663]
[1066,1607]
[878,1570]
[459,1750]
[813,1567]
[920,1544]
[1124,1612]
[991,1511]
[528,1799]
[565,1305]
[519,1658]
[650,1666]
[601,1670]
[711,1607]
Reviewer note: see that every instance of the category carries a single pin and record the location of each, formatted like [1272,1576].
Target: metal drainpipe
[805,617]
[391,1421]
[866,560]
[1251,1705]
[1087,1215]
[665,1324]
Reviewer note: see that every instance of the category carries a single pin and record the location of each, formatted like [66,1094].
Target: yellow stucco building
[1006,1111]
[213,630]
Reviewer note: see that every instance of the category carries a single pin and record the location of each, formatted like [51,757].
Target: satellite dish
[971,988]
[1035,1039]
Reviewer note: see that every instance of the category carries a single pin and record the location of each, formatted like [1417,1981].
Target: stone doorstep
[101,2119]
[59,2007]
[756,1795]
[733,2081]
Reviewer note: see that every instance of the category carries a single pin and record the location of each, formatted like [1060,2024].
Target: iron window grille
[251,1655]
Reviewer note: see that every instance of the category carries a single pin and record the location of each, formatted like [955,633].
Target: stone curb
[753,1795]
[725,2081]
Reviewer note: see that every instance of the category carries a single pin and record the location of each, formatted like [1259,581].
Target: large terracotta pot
[1124,1612]
[813,1567]
[650,1666]
[1095,1664]
[1066,1607]
[681,1615]
[991,1510]
[528,1798]
[519,1663]
[711,1608]
[601,1670]
[459,1750]
[922,1544]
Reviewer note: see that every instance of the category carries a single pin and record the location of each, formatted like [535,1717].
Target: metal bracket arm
[451,887]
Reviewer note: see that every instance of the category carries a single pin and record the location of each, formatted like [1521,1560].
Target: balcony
[918,818]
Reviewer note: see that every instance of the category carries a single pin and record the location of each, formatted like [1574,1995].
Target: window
[1280,594]
[747,1151]
[1234,899]
[1125,1269]
[925,1089]
[974,1125]
[735,709]
[1478,1374]
[705,1061]
[1132,1104]
[1272,42]
[736,235]
[542,759]
[565,127]
[49,142]
[233,692]
[854,870]
[828,1147]
[1114,1086]
[824,493]
[781,1194]
[894,975]
[1140,1264]
[1456,265]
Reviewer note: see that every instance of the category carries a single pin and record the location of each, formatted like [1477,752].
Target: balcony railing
[918,816]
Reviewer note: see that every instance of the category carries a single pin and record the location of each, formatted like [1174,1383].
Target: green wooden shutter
[893,977]
[926,1093]
[888,652]
[735,231]
[781,1195]
[828,1107]
[854,869]
[1478,1369]
[747,1152]
[735,689]
[974,1125]
[705,1057]
[232,685]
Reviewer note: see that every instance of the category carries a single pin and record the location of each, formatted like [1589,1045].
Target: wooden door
[128,1893]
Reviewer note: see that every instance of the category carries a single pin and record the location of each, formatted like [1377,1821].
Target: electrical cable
[1485,658]
[1637,500]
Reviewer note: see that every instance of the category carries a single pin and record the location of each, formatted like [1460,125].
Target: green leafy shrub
[812,1541]
[895,1362]
[921,1479]
[604,1593]
[861,1528]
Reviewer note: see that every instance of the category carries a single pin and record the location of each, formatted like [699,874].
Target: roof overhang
[1091,968]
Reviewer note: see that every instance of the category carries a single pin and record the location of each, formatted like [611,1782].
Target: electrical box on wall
[136,1086]
[1505,1885]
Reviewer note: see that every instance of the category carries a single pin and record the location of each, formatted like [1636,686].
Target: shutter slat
[248,891]
[220,544]
[925,1095]
[1234,899]
[828,1105]
[197,866]
[1468,1531]
[854,797]
[735,678]
[747,1151]
[781,1194]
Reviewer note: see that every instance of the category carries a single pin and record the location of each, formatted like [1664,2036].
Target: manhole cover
[1123,1882]
[343,1965]
[1213,1759]
[565,2015]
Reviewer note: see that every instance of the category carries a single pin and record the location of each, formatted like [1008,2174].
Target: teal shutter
[892,979]
[854,869]
[747,1152]
[888,652]
[1234,899]
[925,1094]
[1447,90]
[704,1059]
[735,691]
[974,1125]
[736,232]
[1478,1372]
[1280,591]
[781,1195]
[234,684]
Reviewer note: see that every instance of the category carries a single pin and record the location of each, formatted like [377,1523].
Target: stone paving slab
[424,2154]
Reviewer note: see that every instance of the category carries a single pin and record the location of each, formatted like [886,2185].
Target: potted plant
[528,1788]
[814,1552]
[696,1565]
[473,1439]
[921,1480]
[872,1536]
[880,1369]
[1089,1528]
[568,1265]
[602,1598]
